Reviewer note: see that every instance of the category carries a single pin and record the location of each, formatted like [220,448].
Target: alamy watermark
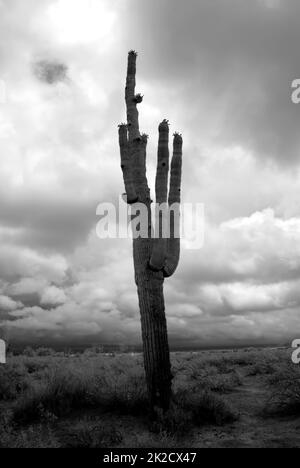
[2,352]
[296,353]
[184,221]
[295,96]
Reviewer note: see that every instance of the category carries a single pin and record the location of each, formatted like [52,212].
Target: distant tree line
[31,351]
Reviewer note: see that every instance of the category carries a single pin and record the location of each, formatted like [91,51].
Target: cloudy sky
[221,72]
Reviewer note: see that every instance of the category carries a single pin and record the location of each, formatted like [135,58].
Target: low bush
[285,392]
[207,408]
[88,433]
[13,381]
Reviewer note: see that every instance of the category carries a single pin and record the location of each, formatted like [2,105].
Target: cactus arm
[161,182]
[173,244]
[142,163]
[132,144]
[126,165]
[176,167]
[137,143]
[138,151]
[159,250]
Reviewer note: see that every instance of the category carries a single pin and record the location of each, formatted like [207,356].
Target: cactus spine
[154,259]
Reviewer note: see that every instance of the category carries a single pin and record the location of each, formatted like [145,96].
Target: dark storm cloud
[232,63]
[48,223]
[50,72]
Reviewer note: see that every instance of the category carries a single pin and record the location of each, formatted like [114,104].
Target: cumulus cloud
[246,274]
[53,296]
[7,304]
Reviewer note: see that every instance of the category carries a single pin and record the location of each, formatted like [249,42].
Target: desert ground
[226,398]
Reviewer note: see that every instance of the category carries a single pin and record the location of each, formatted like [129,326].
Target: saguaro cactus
[154,258]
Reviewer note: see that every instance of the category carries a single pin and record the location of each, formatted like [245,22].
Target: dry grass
[61,401]
[285,391]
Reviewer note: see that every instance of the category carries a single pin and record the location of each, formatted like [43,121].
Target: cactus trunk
[155,338]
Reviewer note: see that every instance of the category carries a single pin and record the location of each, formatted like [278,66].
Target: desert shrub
[34,365]
[45,352]
[28,351]
[262,368]
[243,359]
[285,392]
[37,436]
[122,390]
[62,391]
[13,381]
[206,408]
[175,422]
[263,361]
[206,377]
[228,362]
[90,384]
[224,365]
[198,365]
[93,351]
[162,439]
[222,383]
[88,433]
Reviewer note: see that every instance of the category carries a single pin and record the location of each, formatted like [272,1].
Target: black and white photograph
[149,227]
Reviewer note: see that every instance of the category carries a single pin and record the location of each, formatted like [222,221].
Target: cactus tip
[177,137]
[122,125]
[132,52]
[164,125]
